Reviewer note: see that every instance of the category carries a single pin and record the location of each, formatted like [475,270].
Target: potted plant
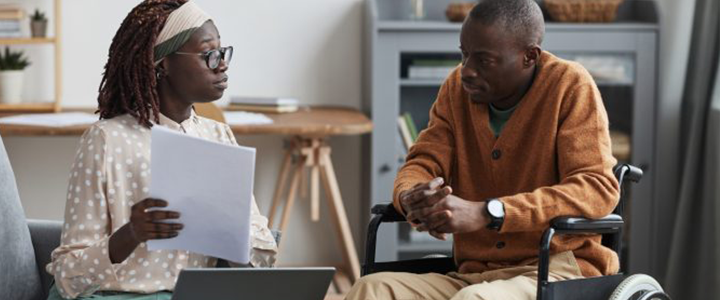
[38,24]
[12,66]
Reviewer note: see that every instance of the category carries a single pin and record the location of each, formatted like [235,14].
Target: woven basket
[582,10]
[457,11]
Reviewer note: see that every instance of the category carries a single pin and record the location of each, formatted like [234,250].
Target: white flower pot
[11,86]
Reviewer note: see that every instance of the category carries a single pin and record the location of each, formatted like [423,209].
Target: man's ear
[532,56]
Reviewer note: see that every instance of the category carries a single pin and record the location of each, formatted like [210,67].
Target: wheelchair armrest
[387,212]
[573,225]
[608,224]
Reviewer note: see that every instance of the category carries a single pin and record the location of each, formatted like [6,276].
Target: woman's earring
[158,75]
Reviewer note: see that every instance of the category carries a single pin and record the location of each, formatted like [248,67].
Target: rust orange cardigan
[552,159]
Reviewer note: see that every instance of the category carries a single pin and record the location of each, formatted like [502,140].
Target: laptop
[252,283]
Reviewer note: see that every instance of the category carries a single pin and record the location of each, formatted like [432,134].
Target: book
[402,150]
[422,72]
[10,34]
[9,25]
[250,100]
[11,12]
[411,126]
[431,68]
[404,132]
[263,108]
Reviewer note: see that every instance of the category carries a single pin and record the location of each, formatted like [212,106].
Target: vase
[11,86]
[38,29]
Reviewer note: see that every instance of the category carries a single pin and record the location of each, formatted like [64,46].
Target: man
[516,138]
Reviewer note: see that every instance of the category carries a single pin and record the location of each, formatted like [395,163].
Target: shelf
[438,82]
[27,107]
[439,246]
[27,41]
[421,82]
[440,26]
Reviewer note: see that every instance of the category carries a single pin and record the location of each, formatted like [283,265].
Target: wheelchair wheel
[637,287]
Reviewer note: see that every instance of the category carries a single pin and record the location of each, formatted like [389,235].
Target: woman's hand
[149,225]
[144,225]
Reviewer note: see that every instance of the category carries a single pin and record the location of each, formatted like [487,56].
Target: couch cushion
[19,278]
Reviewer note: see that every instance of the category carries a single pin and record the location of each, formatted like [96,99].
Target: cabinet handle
[385,168]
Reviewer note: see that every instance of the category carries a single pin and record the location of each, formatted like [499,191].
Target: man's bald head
[523,19]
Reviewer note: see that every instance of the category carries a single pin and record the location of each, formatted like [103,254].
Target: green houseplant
[38,24]
[12,70]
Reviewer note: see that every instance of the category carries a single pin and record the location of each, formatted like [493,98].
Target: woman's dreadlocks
[129,81]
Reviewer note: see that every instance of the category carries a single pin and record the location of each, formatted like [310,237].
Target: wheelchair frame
[600,288]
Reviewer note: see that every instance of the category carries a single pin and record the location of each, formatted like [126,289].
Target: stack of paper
[263,104]
[246,118]
[211,189]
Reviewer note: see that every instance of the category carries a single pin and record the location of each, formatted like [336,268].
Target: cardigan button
[496,154]
[500,245]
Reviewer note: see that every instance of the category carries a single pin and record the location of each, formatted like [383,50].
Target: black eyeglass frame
[222,55]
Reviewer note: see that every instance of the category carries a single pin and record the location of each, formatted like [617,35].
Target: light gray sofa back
[19,278]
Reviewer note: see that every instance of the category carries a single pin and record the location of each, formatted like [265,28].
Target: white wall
[307,49]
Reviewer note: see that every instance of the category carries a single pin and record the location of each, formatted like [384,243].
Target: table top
[307,122]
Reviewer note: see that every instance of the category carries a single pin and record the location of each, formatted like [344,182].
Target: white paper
[246,118]
[51,120]
[210,185]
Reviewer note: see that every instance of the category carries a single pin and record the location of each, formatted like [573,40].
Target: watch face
[495,208]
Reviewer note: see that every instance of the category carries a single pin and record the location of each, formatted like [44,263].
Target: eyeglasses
[213,57]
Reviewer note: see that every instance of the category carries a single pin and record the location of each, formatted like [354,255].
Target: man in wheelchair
[516,138]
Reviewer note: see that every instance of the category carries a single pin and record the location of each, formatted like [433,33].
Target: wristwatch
[496,210]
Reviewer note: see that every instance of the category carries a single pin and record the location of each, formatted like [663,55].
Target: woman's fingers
[154,235]
[156,215]
[148,203]
[162,227]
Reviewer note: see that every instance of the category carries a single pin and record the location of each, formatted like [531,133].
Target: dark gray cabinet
[390,38]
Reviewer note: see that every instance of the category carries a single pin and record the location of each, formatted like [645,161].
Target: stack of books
[10,18]
[263,104]
[431,68]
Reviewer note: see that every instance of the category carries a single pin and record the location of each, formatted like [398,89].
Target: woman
[165,57]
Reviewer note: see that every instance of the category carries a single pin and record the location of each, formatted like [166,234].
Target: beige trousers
[516,283]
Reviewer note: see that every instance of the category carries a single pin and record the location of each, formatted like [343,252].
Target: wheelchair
[613,287]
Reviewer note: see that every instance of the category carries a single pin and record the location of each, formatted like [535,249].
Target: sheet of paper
[51,120]
[246,118]
[210,185]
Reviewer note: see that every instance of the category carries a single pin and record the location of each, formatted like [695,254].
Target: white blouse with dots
[111,173]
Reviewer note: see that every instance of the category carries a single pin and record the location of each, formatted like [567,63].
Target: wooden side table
[308,151]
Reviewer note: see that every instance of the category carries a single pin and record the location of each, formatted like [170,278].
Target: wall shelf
[27,41]
[56,42]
